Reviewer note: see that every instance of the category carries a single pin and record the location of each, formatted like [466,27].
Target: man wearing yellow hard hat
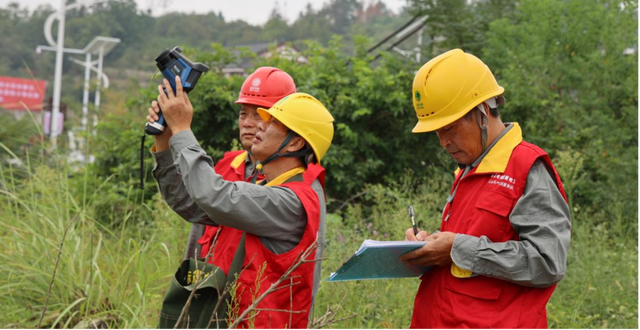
[505,228]
[282,217]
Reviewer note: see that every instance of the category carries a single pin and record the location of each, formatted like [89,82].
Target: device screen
[176,68]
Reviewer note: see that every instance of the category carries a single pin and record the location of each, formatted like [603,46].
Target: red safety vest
[231,167]
[275,310]
[484,199]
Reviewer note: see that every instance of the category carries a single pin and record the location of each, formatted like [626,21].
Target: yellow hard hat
[449,86]
[305,115]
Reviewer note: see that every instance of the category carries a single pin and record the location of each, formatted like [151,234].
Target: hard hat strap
[483,122]
[277,154]
[492,102]
[254,175]
[256,171]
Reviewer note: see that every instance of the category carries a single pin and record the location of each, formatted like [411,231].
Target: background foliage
[570,72]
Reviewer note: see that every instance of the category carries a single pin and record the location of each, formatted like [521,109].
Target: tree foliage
[562,63]
[570,72]
[373,116]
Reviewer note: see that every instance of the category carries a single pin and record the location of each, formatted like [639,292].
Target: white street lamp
[100,46]
[60,50]
[55,111]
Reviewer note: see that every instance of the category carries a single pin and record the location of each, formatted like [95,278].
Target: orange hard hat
[266,86]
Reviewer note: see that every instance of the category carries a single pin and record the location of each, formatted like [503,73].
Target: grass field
[118,275]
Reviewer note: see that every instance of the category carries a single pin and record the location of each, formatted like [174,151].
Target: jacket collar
[286,176]
[497,158]
[240,159]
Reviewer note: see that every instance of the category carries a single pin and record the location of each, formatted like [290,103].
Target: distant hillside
[144,36]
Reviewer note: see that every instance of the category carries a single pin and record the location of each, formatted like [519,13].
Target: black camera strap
[142,161]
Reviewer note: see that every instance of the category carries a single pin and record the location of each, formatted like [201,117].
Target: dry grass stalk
[302,258]
[222,297]
[55,268]
[329,317]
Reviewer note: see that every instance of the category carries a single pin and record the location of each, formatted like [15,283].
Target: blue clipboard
[379,260]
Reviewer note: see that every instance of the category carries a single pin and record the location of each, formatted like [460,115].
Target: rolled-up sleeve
[541,218]
[271,212]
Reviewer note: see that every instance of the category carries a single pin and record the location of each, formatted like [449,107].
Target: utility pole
[416,24]
[101,46]
[85,91]
[97,99]
[105,44]
[57,80]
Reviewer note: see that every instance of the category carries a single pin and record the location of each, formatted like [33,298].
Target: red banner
[20,94]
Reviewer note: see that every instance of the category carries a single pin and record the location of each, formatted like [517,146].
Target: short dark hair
[494,112]
[310,156]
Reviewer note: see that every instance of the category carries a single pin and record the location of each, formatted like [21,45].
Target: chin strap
[483,121]
[142,161]
[483,118]
[256,171]
[277,154]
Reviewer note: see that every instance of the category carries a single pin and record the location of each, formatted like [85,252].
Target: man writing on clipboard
[506,226]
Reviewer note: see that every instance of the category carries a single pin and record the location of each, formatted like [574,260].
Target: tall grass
[600,289]
[111,275]
[117,275]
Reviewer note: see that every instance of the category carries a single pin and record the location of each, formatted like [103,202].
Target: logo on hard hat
[419,105]
[255,85]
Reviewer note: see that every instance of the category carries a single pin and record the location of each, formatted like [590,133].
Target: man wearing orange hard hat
[257,231]
[505,228]
[263,88]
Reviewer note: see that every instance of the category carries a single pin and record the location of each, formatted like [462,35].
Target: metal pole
[97,101]
[85,92]
[57,81]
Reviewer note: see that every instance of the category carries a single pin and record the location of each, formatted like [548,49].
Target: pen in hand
[413,220]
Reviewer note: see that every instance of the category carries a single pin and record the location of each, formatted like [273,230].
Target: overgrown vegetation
[568,83]
[117,276]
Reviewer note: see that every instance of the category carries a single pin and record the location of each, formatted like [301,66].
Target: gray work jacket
[542,220]
[192,188]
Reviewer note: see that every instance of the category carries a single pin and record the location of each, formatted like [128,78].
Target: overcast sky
[255,12]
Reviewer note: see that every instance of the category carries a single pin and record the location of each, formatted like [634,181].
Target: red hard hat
[266,86]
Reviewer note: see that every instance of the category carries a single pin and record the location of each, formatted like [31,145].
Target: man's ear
[296,144]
